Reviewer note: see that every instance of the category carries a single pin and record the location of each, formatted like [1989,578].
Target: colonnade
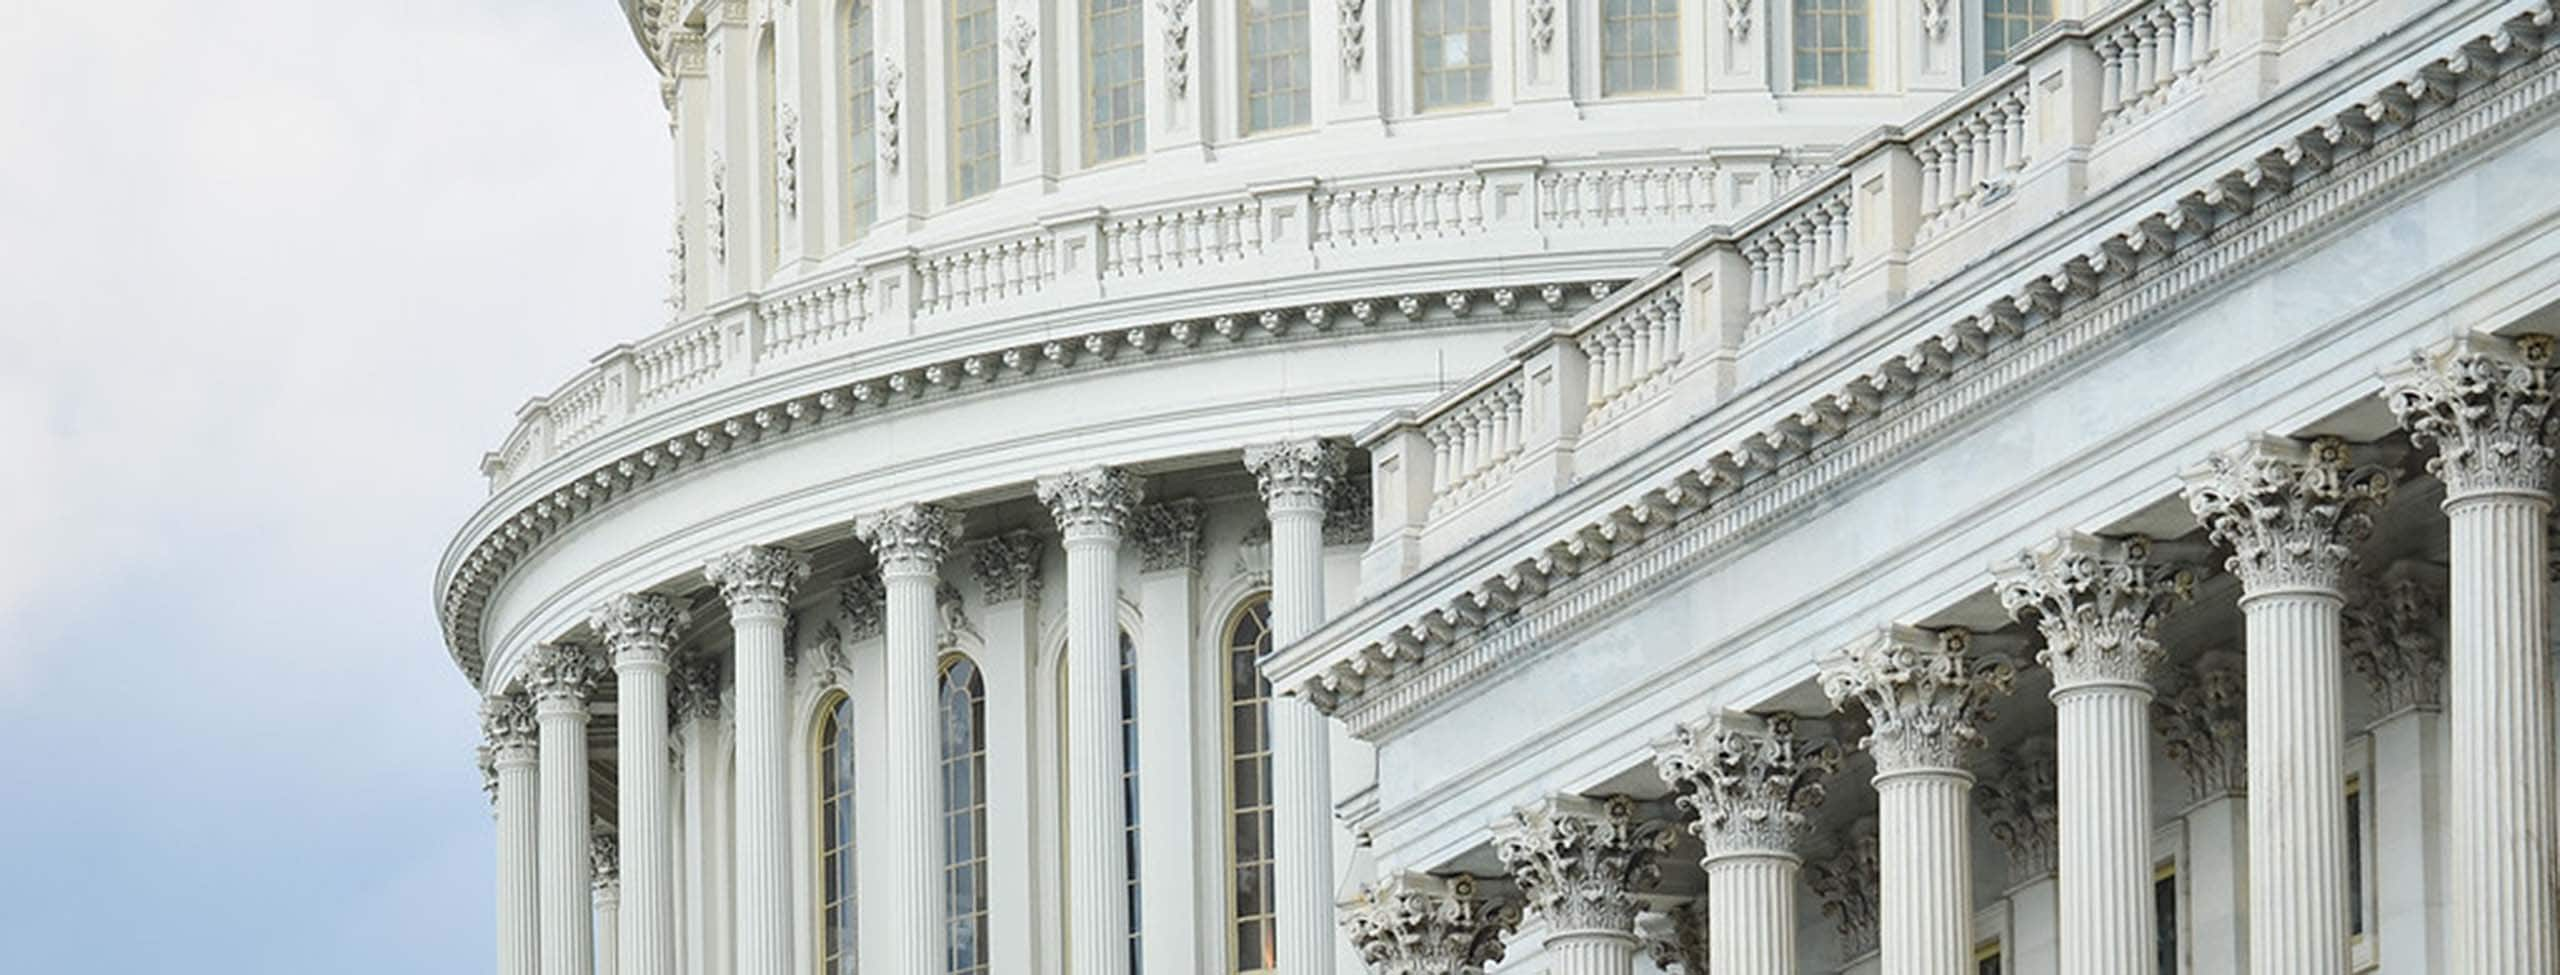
[2292,514]
[571,905]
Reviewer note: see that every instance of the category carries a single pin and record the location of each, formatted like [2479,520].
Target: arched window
[1831,43]
[2007,22]
[1277,85]
[1115,81]
[973,97]
[1129,783]
[1249,810]
[861,175]
[835,837]
[964,817]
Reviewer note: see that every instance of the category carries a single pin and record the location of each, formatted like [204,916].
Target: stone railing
[1501,209]
[1740,303]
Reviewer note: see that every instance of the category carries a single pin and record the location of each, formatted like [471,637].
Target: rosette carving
[2291,512]
[909,539]
[563,672]
[2203,718]
[2021,800]
[1581,861]
[1008,567]
[1418,924]
[1752,782]
[1847,883]
[758,578]
[2485,404]
[1926,697]
[2389,627]
[2098,602]
[1091,503]
[506,721]
[1676,937]
[1169,536]
[1299,473]
[639,626]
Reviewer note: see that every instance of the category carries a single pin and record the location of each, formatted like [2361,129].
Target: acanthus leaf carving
[1581,862]
[2098,603]
[604,862]
[2389,628]
[1419,924]
[1676,936]
[694,692]
[1926,697]
[507,723]
[1353,27]
[862,603]
[1176,15]
[1296,472]
[1847,883]
[757,578]
[909,539]
[2021,800]
[2291,512]
[1752,782]
[1091,502]
[2484,402]
[2203,719]
[1008,567]
[564,672]
[1021,42]
[1169,535]
[638,626]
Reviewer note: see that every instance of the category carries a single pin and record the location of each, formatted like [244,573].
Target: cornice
[547,504]
[1414,644]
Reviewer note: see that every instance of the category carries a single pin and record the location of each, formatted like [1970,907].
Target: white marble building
[1449,486]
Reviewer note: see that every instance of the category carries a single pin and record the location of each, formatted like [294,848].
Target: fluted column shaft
[2297,813]
[609,928]
[2504,817]
[1926,902]
[519,946]
[640,630]
[568,934]
[1092,507]
[1295,480]
[758,583]
[1591,953]
[2103,733]
[910,542]
[1751,913]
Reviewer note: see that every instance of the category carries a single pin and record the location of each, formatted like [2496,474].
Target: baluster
[2204,44]
[1759,261]
[1839,210]
[2182,39]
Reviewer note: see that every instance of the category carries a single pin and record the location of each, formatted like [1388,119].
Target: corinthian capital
[1676,937]
[909,539]
[604,861]
[1418,924]
[2098,602]
[1926,699]
[507,722]
[1847,883]
[1091,503]
[1168,536]
[2389,627]
[2203,718]
[1008,567]
[1297,475]
[758,578]
[638,627]
[563,672]
[2021,799]
[1581,861]
[2485,404]
[2291,512]
[695,694]
[864,601]
[1752,783]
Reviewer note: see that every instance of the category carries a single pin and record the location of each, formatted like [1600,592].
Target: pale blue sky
[273,274]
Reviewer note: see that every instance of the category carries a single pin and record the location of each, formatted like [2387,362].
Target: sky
[273,275]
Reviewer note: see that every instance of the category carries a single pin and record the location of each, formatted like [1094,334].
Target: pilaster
[1180,887]
[1349,69]
[1007,569]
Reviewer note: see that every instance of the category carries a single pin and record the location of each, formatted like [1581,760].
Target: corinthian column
[2099,604]
[910,542]
[639,631]
[1092,507]
[1418,924]
[1581,862]
[508,722]
[758,582]
[1926,701]
[2292,514]
[563,676]
[1296,478]
[1752,784]
[604,862]
[2485,404]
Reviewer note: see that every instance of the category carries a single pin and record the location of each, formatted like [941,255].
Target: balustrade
[676,362]
[2151,48]
[1796,258]
[1608,196]
[1421,209]
[1181,238]
[1474,438]
[1629,350]
[1972,158]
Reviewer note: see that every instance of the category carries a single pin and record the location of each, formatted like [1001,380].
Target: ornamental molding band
[1676,936]
[1847,882]
[2098,603]
[2291,512]
[1926,697]
[2020,798]
[1751,782]
[694,693]
[2232,219]
[507,722]
[1419,924]
[1581,862]
[1177,45]
[543,517]
[2484,403]
[604,861]
[563,673]
[758,577]
[638,625]
[2202,714]
[886,85]
[1298,473]
[1168,536]
[2390,628]
[1020,40]
[909,539]
[1007,567]
[1091,503]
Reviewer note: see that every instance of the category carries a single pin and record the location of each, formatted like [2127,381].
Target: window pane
[1641,47]
[1249,786]
[1831,43]
[1454,52]
[2007,22]
[1276,94]
[973,97]
[1114,80]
